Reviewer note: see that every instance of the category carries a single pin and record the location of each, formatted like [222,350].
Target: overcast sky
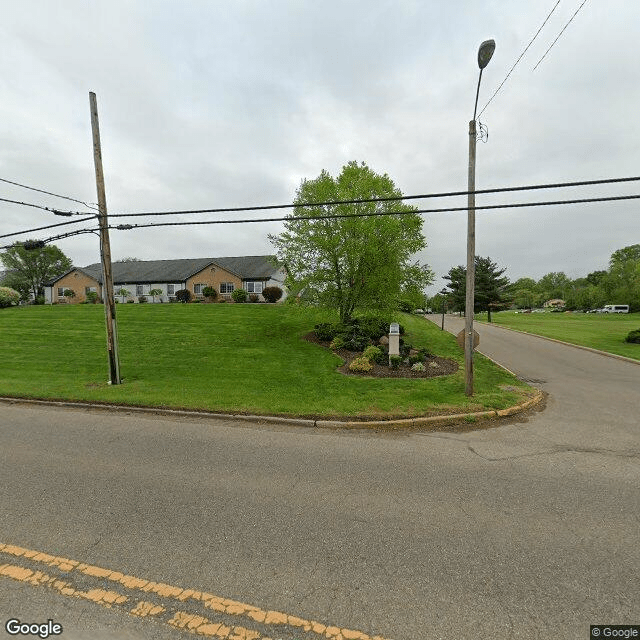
[216,104]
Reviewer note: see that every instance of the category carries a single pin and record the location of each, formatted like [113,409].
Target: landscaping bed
[433,365]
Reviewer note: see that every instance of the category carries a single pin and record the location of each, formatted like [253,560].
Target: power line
[49,193]
[557,185]
[127,227]
[563,29]
[69,234]
[520,58]
[49,226]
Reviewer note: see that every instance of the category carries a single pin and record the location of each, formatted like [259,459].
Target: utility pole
[471,263]
[105,250]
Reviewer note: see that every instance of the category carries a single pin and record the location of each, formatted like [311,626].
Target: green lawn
[223,357]
[604,331]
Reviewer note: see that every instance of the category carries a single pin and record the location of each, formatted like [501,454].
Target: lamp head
[485,52]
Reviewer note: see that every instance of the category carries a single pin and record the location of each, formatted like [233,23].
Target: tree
[29,270]
[124,293]
[523,293]
[354,262]
[154,293]
[554,285]
[624,277]
[490,286]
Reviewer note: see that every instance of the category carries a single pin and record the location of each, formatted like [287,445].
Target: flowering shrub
[417,366]
[8,297]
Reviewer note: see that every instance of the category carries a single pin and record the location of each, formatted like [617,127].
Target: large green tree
[29,270]
[490,285]
[359,261]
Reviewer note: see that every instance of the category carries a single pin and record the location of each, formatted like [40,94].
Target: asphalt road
[527,530]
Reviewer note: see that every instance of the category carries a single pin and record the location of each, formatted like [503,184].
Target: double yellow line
[208,615]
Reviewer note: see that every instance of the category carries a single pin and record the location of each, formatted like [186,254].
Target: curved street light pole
[484,55]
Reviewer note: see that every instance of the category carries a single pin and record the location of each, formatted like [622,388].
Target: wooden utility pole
[105,250]
[471,261]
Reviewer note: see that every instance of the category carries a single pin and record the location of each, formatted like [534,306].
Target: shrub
[142,299]
[210,292]
[239,295]
[92,297]
[69,293]
[405,306]
[355,341]
[634,336]
[221,301]
[183,295]
[272,294]
[395,361]
[417,366]
[337,343]
[360,364]
[372,352]
[415,359]
[8,297]
[325,331]
[253,297]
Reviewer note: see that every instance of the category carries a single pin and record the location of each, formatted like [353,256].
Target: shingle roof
[173,271]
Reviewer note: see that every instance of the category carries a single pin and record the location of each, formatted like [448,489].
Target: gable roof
[174,271]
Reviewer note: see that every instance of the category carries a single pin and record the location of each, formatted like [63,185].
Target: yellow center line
[140,607]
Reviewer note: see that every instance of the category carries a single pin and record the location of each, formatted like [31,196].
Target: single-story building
[138,278]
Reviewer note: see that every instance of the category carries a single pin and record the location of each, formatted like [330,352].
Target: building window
[89,290]
[197,289]
[253,287]
[171,289]
[60,292]
[226,287]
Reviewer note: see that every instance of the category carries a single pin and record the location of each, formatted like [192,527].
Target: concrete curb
[405,423]
[568,344]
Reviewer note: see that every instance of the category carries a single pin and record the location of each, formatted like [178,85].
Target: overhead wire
[561,32]
[49,226]
[126,227]
[49,193]
[495,93]
[425,196]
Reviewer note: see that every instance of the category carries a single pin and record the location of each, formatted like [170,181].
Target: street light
[443,293]
[484,55]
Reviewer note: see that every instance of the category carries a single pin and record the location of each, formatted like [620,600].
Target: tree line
[619,284]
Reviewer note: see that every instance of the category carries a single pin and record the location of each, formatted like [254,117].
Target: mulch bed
[434,365]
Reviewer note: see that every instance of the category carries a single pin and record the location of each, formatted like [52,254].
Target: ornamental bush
[239,295]
[337,343]
[326,331]
[210,292]
[183,295]
[395,361]
[634,336]
[360,364]
[417,366]
[8,297]
[272,294]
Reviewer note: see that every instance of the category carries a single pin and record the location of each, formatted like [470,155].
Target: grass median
[602,331]
[227,358]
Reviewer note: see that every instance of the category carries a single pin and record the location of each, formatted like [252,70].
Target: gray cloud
[210,104]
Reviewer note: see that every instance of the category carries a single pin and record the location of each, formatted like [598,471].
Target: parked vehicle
[615,308]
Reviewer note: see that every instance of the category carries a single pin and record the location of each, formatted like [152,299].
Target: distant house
[554,304]
[251,273]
